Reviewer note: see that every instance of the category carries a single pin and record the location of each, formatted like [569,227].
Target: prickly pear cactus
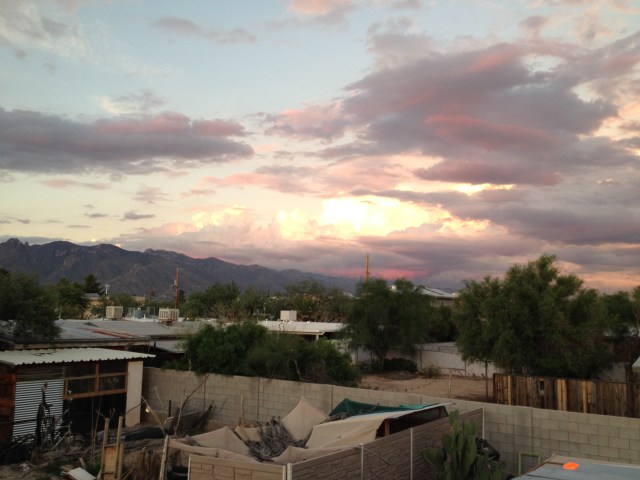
[458,457]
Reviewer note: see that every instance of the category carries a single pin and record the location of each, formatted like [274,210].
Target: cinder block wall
[511,430]
[397,456]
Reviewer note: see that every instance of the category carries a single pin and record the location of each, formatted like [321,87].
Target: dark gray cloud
[132,215]
[35,142]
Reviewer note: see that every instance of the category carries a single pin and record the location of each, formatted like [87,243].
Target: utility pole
[177,285]
[366,268]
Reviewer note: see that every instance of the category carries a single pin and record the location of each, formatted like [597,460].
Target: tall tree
[70,299]
[540,322]
[28,305]
[382,318]
[477,314]
[92,285]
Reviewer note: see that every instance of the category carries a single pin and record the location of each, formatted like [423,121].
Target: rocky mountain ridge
[138,273]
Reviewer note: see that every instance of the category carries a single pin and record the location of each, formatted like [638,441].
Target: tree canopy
[535,321]
[246,348]
[383,318]
[30,305]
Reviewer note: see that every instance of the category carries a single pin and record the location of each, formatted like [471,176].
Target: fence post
[411,453]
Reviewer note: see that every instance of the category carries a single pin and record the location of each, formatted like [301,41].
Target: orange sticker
[571,466]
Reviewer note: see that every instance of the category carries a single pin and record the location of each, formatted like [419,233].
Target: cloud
[36,142]
[24,26]
[134,103]
[64,184]
[150,195]
[186,28]
[311,122]
[132,215]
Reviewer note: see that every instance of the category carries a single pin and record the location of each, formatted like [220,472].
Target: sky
[447,140]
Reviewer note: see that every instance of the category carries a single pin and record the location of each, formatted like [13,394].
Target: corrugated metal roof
[122,329]
[309,328]
[66,355]
[172,346]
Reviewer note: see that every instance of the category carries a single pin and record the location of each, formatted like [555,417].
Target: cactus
[458,458]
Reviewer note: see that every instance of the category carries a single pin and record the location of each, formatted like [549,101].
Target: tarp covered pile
[304,433]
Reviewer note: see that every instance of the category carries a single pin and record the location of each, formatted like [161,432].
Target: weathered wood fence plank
[568,394]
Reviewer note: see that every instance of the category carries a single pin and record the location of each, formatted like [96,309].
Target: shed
[78,380]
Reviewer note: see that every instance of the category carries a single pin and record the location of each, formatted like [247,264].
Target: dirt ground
[442,386]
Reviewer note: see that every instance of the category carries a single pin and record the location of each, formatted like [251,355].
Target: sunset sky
[445,139]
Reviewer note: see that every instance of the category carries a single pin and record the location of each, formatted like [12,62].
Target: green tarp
[352,408]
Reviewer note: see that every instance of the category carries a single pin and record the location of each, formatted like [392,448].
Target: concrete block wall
[531,433]
[511,430]
[210,468]
[397,456]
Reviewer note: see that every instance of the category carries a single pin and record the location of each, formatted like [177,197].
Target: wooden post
[119,450]
[105,441]
[163,463]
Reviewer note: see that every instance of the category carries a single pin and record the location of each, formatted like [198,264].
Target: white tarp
[296,454]
[221,438]
[208,451]
[354,430]
[300,421]
[347,432]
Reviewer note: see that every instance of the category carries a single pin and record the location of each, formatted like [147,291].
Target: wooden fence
[571,395]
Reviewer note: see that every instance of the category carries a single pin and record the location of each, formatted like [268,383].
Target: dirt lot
[442,386]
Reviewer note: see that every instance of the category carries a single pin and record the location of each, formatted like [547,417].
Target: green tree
[92,285]
[535,321]
[70,299]
[478,316]
[217,301]
[247,348]
[24,301]
[382,319]
[124,300]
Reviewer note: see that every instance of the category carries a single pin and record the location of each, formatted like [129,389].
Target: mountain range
[138,273]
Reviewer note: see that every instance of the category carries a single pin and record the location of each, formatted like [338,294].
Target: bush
[431,371]
[251,350]
[395,364]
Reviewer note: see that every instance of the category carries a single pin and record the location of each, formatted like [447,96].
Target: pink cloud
[317,7]
[168,122]
[313,121]
[218,128]
[482,133]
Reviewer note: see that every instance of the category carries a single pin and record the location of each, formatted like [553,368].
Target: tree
[477,313]
[28,304]
[217,301]
[92,285]
[247,348]
[535,321]
[382,319]
[623,310]
[70,299]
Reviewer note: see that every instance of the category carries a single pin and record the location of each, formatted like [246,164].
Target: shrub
[395,364]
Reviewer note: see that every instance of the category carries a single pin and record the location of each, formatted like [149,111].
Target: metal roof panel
[66,355]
